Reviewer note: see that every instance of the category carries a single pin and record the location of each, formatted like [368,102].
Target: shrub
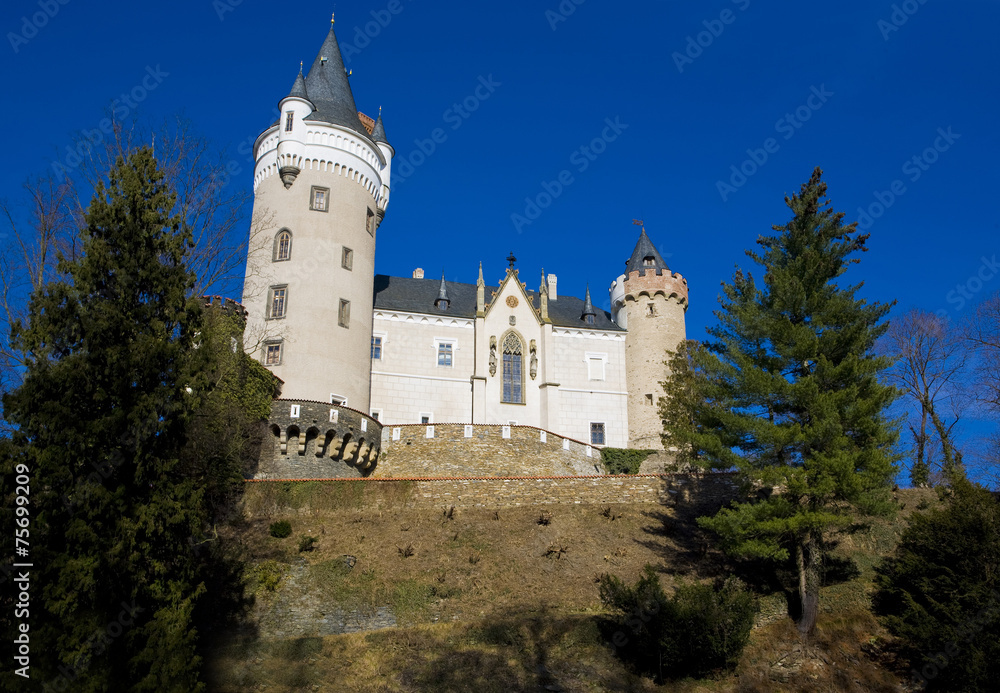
[622,461]
[700,629]
[940,592]
[281,529]
[307,543]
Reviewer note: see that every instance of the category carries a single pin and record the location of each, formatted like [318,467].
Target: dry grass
[485,605]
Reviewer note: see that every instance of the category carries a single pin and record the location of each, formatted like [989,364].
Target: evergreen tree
[940,592]
[685,388]
[111,381]
[793,399]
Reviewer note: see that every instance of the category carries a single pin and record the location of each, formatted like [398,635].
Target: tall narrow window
[513,378]
[370,222]
[597,434]
[318,199]
[445,352]
[279,302]
[283,245]
[376,348]
[347,259]
[344,314]
[272,354]
[289,121]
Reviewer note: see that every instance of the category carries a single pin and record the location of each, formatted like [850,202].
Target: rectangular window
[272,354]
[278,303]
[339,400]
[649,400]
[376,348]
[376,414]
[445,352]
[425,418]
[595,366]
[370,222]
[344,315]
[289,121]
[597,434]
[318,199]
[347,259]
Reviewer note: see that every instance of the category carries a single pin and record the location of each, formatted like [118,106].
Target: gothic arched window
[283,245]
[513,373]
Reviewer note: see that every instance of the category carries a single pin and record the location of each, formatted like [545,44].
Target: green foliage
[685,388]
[699,630]
[111,390]
[307,543]
[920,474]
[792,397]
[265,576]
[940,593]
[623,461]
[280,529]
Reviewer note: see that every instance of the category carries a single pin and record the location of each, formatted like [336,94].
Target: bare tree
[983,334]
[46,225]
[931,362]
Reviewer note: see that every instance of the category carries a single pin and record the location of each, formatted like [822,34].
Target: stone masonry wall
[686,490]
[460,450]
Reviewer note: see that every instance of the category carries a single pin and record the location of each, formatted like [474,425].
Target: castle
[376,350]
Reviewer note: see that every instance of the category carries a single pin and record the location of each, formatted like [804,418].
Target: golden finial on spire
[332,18]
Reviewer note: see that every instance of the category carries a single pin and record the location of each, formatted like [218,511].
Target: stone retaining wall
[477,450]
[708,490]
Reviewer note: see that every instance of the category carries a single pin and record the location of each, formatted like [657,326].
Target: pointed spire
[543,299]
[645,257]
[442,300]
[378,132]
[330,90]
[480,294]
[588,309]
[299,88]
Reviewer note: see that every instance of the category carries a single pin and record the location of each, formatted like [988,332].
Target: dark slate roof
[418,296]
[378,132]
[643,249]
[330,90]
[299,88]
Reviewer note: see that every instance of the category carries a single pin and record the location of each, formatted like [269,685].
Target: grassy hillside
[507,600]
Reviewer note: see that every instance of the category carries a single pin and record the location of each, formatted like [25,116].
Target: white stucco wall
[408,382]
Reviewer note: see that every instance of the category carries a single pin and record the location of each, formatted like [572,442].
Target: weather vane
[639,222]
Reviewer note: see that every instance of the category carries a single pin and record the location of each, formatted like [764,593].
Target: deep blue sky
[557,87]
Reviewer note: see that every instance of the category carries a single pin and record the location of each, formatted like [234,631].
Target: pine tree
[111,380]
[793,399]
[685,388]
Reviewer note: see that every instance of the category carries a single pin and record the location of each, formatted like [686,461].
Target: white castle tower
[649,301]
[321,187]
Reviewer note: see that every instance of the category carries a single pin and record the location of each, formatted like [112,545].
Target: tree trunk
[807,557]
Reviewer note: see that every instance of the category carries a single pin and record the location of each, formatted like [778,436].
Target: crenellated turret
[292,130]
[650,301]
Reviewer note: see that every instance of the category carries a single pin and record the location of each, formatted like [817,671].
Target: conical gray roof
[330,90]
[645,249]
[443,292]
[378,132]
[588,306]
[299,88]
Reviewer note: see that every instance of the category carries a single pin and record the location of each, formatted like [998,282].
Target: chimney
[418,273]
[553,294]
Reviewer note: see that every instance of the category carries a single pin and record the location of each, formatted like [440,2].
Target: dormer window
[289,121]
[590,319]
[649,261]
